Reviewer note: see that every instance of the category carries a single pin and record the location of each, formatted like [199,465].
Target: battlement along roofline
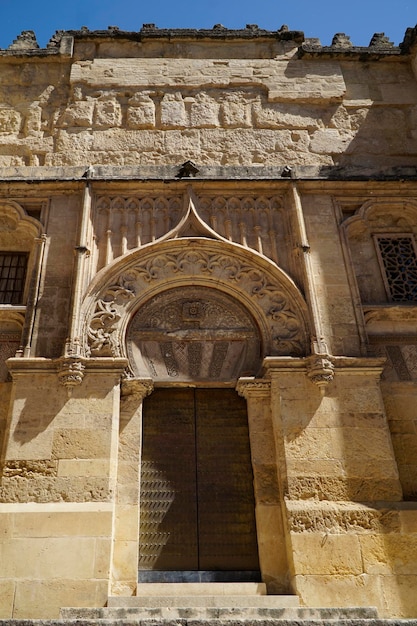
[62,42]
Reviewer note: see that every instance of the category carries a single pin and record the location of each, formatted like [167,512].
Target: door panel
[168,502]
[226,521]
[197,504]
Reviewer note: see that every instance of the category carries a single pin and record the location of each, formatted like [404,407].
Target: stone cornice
[347,365]
[218,32]
[104,173]
[24,366]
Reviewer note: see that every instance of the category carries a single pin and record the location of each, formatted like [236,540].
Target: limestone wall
[144,104]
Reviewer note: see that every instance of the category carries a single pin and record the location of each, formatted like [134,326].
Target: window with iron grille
[12,277]
[398,258]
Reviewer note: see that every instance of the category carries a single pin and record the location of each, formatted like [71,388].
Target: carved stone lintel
[139,387]
[70,371]
[320,370]
[247,387]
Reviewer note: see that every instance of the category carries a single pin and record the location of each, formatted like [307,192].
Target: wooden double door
[197,510]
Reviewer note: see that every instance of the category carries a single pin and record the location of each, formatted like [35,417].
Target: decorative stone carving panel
[401,363]
[124,223]
[265,292]
[189,334]
[253,222]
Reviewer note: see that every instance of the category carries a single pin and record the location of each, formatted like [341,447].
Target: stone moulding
[72,367]
[248,386]
[322,368]
[338,518]
[269,295]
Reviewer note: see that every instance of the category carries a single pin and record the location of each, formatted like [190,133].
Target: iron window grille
[397,255]
[13,266]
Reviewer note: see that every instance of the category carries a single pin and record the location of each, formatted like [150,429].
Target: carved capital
[137,387]
[70,372]
[249,387]
[320,370]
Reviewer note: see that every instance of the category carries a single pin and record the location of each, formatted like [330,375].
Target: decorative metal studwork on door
[197,511]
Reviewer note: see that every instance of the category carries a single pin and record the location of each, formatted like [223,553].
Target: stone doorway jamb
[125,553]
[268,508]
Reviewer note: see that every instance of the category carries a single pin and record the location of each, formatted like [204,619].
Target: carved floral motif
[102,335]
[285,329]
[247,387]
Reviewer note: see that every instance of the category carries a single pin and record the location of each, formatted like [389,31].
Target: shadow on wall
[367,112]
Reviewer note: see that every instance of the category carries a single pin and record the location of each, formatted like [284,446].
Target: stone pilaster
[124,571]
[271,539]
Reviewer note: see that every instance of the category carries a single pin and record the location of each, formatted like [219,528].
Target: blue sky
[317,18]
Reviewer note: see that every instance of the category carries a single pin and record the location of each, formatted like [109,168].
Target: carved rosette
[70,372]
[320,370]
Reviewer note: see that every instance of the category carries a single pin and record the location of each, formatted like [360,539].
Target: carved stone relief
[401,363]
[280,312]
[125,223]
[191,333]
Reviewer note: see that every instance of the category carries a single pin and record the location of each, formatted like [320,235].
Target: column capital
[70,371]
[249,387]
[137,387]
[320,370]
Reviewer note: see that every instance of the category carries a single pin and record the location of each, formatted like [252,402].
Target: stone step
[197,589]
[217,601]
[230,614]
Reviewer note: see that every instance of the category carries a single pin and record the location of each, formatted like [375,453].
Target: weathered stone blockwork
[204,210]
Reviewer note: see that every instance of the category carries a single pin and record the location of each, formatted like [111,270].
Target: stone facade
[209,209]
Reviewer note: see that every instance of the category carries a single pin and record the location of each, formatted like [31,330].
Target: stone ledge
[151,31]
[31,174]
[355,621]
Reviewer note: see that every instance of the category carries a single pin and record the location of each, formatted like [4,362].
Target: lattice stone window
[398,257]
[12,277]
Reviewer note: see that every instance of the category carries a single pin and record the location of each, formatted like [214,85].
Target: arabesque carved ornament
[285,329]
[102,335]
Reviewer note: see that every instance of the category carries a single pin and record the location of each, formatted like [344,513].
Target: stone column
[270,532]
[124,571]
